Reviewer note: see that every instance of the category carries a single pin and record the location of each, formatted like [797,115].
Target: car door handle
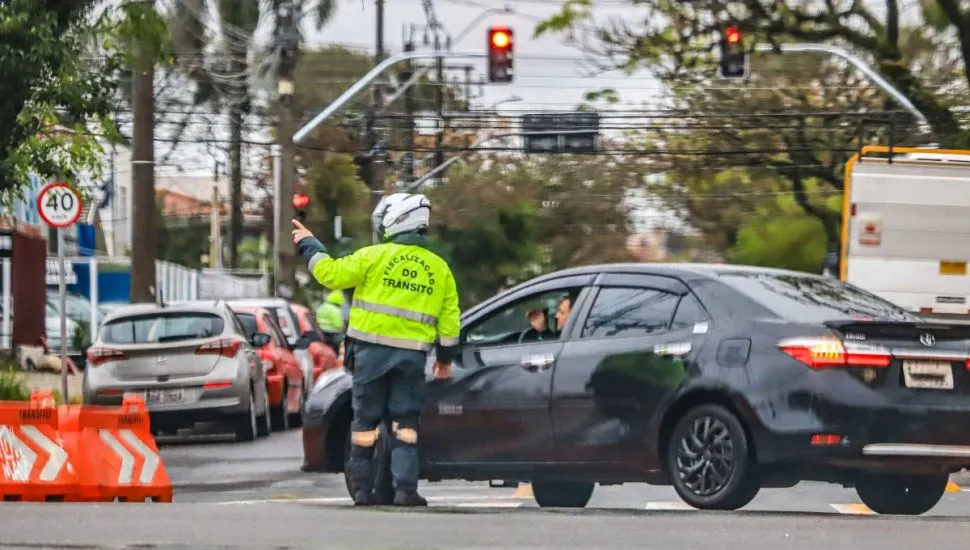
[678,349]
[538,362]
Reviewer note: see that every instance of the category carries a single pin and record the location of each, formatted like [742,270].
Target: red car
[324,358]
[284,375]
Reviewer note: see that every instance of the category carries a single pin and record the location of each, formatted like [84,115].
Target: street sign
[59,205]
[572,132]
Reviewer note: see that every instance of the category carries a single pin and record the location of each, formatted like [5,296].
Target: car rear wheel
[562,494]
[709,460]
[896,494]
[296,419]
[383,482]
[280,418]
[246,427]
[264,422]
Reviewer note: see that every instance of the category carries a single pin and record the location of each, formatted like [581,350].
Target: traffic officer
[405,304]
[330,319]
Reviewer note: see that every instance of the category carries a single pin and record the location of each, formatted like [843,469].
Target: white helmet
[400,213]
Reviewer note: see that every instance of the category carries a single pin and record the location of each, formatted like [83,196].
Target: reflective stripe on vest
[390,341]
[395,311]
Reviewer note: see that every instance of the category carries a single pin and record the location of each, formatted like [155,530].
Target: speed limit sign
[59,205]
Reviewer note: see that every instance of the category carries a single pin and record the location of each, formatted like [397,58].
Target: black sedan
[719,380]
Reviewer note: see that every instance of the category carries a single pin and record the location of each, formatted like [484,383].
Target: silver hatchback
[191,362]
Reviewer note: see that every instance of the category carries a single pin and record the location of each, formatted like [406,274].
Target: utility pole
[376,153]
[287,43]
[409,109]
[439,141]
[144,254]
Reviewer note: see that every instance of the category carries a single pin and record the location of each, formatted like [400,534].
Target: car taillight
[226,347]
[823,353]
[96,356]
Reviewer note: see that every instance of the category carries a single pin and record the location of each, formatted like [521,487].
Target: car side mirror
[259,339]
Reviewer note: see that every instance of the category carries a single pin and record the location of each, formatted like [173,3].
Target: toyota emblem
[927,339]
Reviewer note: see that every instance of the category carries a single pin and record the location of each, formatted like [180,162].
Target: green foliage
[181,240]
[523,217]
[81,338]
[54,101]
[13,386]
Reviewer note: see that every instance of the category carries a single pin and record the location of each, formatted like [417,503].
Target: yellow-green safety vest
[404,295]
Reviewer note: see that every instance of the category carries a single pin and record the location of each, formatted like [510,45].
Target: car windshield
[248,322]
[811,299]
[162,327]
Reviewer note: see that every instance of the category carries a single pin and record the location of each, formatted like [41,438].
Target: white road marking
[855,509]
[152,460]
[127,459]
[57,455]
[669,505]
[476,500]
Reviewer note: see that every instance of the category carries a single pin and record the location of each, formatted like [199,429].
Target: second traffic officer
[405,304]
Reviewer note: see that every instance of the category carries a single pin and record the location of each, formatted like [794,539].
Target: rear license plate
[167,396]
[930,375]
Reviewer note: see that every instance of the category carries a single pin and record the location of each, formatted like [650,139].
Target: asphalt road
[254,496]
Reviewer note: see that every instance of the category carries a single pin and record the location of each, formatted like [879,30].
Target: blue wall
[113,286]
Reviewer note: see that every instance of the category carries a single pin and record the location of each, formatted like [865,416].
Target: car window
[619,312]
[511,324]
[162,327]
[274,331]
[689,313]
[283,318]
[248,322]
[811,299]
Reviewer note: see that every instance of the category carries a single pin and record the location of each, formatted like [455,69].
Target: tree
[218,59]
[728,150]
[682,36]
[182,240]
[47,87]
[524,217]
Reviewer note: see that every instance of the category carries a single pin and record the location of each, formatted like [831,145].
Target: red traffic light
[500,38]
[732,35]
[300,200]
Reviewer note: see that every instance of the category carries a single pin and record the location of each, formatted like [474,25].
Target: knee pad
[364,438]
[406,431]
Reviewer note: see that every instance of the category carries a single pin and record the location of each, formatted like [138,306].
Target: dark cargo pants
[387,383]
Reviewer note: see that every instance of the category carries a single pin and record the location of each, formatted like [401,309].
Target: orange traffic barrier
[114,453]
[340,357]
[34,464]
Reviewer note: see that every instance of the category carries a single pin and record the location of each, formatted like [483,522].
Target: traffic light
[500,54]
[300,203]
[734,58]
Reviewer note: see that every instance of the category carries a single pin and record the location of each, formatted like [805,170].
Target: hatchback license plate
[165,397]
[930,375]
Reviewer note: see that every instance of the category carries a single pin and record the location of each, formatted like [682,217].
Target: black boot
[409,498]
[364,498]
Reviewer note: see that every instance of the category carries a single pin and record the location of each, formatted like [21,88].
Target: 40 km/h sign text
[59,205]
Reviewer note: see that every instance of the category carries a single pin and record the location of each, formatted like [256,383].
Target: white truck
[906,228]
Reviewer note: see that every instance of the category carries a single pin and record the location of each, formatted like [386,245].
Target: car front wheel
[709,460]
[562,494]
[895,494]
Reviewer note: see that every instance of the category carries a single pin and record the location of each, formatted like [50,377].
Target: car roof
[672,269]
[259,302]
[207,306]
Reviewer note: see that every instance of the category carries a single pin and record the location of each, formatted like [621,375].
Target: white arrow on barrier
[127,459]
[16,457]
[152,460]
[58,457]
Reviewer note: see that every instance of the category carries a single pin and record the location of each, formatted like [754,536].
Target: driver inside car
[539,327]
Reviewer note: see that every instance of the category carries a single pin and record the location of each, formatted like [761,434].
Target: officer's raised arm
[449,322]
[333,273]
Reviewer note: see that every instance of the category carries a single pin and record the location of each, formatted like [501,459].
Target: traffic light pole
[858,63]
[364,81]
